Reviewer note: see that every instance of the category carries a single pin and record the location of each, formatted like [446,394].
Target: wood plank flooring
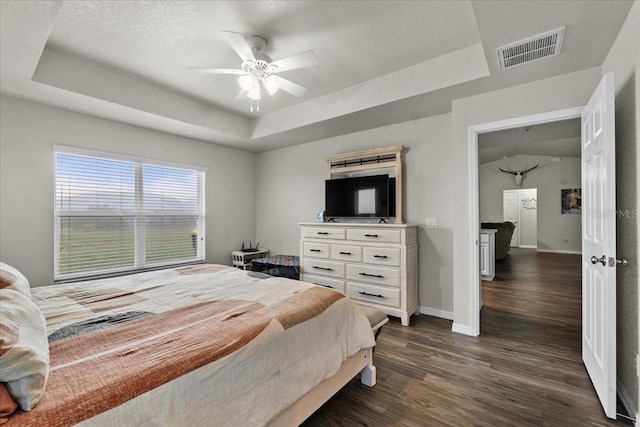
[524,369]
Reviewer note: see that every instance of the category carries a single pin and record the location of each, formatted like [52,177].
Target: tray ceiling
[381,62]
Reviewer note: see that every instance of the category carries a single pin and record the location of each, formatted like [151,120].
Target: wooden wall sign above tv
[371,162]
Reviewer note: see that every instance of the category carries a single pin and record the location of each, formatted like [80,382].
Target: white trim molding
[443,314]
[528,246]
[463,329]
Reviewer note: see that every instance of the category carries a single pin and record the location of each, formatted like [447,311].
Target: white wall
[555,231]
[28,130]
[290,189]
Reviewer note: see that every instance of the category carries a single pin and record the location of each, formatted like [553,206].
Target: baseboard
[437,313]
[560,251]
[462,329]
[528,246]
[628,403]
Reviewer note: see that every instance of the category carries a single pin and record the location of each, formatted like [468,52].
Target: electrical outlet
[638,365]
[564,240]
[432,223]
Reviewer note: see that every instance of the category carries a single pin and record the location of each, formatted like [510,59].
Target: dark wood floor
[524,369]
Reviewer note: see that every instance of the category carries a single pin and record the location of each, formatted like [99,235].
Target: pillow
[10,278]
[24,350]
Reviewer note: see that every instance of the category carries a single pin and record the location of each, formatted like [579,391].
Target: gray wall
[28,130]
[290,190]
[556,231]
[627,235]
[624,61]
[556,93]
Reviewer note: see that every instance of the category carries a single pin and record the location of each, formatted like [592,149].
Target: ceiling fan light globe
[246,82]
[254,93]
[272,84]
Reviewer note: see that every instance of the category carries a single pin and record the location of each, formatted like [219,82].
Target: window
[117,213]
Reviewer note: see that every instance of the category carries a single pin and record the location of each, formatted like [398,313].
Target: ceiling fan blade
[217,70]
[239,43]
[291,87]
[301,60]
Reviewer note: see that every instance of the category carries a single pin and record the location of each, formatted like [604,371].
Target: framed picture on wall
[571,201]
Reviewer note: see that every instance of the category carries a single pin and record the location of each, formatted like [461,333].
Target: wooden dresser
[375,265]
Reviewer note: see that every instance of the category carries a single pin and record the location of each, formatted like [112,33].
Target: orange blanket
[99,370]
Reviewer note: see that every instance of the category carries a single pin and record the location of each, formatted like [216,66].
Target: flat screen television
[360,197]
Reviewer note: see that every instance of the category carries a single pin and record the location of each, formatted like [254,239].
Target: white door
[510,212]
[528,218]
[599,244]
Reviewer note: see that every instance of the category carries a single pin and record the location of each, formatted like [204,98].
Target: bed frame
[361,362]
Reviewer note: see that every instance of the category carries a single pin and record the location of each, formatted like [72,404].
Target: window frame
[139,214]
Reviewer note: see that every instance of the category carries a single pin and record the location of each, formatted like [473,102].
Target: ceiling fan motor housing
[259,67]
[262,65]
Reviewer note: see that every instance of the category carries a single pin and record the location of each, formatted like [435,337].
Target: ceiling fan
[258,70]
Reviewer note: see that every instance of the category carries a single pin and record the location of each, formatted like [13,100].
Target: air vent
[531,49]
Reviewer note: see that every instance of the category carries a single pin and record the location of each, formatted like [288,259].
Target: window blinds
[124,214]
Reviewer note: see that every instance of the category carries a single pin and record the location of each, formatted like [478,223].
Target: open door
[510,212]
[599,243]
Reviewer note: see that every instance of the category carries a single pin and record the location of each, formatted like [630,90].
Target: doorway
[598,232]
[474,226]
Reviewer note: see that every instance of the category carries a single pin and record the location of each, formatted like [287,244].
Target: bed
[180,346]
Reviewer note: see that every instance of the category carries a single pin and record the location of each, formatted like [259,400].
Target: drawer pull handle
[380,256]
[370,295]
[322,268]
[323,232]
[315,250]
[345,253]
[372,275]
[370,235]
[326,286]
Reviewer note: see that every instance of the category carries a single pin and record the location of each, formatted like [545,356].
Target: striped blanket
[189,345]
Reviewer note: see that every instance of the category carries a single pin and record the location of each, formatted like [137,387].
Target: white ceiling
[381,62]
[557,139]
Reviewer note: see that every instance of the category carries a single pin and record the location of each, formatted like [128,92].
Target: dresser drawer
[374,235]
[377,275]
[346,253]
[374,294]
[316,250]
[382,256]
[336,233]
[335,284]
[324,268]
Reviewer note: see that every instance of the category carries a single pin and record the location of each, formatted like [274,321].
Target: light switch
[432,223]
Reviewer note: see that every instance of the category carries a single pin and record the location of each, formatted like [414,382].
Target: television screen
[359,197]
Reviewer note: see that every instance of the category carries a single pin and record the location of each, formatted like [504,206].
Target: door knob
[595,260]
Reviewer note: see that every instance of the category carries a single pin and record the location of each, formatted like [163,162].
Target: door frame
[475,282]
